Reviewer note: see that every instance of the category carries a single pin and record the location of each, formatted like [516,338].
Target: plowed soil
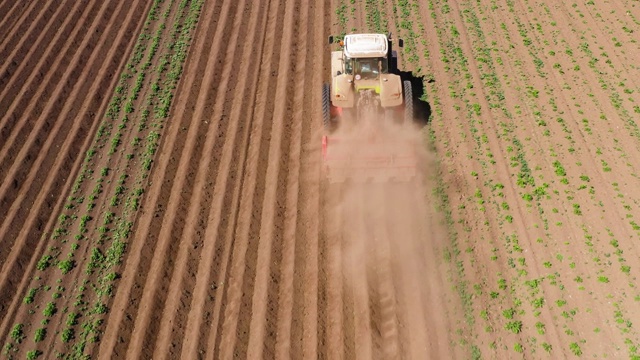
[162,192]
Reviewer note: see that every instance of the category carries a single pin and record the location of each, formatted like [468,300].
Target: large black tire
[408,102]
[326,106]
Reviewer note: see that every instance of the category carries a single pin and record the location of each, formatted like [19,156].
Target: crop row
[97,225]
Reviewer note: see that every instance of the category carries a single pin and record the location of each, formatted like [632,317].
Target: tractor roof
[365,45]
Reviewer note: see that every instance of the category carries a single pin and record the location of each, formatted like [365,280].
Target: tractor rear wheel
[326,106]
[408,102]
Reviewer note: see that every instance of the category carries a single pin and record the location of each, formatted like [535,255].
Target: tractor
[365,101]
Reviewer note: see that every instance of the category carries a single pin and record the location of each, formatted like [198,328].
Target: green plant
[40,334]
[49,310]
[518,348]
[28,299]
[575,349]
[67,335]
[17,334]
[72,319]
[66,265]
[44,262]
[33,354]
[514,326]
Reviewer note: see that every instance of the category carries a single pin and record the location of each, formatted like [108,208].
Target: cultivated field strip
[211,180]
[557,85]
[33,163]
[70,90]
[9,9]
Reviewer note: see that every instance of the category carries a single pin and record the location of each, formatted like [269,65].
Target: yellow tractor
[364,103]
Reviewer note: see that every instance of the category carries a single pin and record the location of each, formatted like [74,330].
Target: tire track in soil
[445,313]
[127,301]
[386,337]
[355,260]
[429,336]
[332,280]
[265,306]
[23,94]
[57,164]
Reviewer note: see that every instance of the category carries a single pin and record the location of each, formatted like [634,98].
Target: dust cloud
[389,237]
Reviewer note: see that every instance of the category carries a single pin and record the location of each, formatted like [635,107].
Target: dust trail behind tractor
[371,153]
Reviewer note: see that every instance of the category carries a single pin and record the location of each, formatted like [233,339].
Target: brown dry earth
[240,249]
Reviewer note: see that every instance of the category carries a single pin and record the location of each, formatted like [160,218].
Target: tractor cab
[366,68]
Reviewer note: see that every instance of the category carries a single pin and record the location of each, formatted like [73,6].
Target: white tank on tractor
[366,93]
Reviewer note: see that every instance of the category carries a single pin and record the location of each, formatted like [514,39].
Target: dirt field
[161,193]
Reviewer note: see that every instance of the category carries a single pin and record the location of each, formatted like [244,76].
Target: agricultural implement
[365,104]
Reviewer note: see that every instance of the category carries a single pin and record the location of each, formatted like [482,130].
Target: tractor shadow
[422,109]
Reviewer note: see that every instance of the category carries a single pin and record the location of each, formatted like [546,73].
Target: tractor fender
[390,90]
[342,93]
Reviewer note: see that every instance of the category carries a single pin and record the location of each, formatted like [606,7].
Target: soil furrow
[13,81]
[334,333]
[204,172]
[73,145]
[235,291]
[73,132]
[269,256]
[178,142]
[305,333]
[43,129]
[14,110]
[223,187]
[26,28]
[205,169]
[9,9]
[284,346]
[171,228]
